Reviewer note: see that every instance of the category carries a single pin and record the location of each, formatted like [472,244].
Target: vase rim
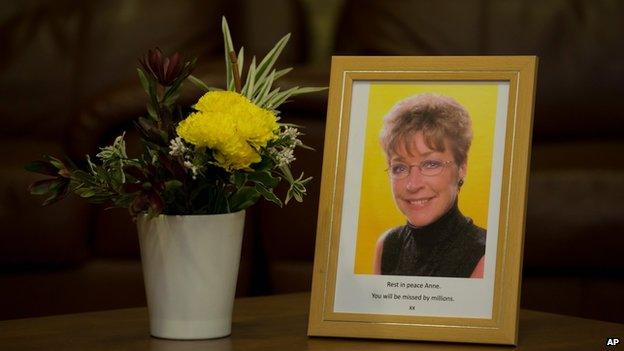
[195,215]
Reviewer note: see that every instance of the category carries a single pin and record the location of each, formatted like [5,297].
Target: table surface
[276,322]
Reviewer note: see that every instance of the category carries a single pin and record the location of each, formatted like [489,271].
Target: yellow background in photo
[378,212]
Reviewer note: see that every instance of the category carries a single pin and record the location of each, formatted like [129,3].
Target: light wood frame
[520,72]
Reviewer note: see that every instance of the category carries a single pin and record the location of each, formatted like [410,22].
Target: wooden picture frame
[348,298]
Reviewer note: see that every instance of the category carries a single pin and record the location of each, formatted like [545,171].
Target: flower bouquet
[198,172]
[230,151]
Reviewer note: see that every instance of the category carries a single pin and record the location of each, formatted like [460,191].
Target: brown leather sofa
[68,85]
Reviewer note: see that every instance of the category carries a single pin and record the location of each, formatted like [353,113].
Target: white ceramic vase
[190,266]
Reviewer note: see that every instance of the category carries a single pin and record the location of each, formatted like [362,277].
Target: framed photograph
[423,196]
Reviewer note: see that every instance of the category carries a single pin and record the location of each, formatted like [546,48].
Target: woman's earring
[461,182]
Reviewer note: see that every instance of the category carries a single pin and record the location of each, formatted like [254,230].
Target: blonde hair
[436,116]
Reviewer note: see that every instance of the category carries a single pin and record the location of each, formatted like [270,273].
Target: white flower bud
[176,147]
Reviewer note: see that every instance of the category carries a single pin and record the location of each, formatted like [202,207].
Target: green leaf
[170,99]
[297,187]
[81,176]
[172,92]
[298,197]
[248,88]
[297,190]
[265,88]
[99,198]
[45,186]
[173,185]
[266,65]
[306,90]
[42,167]
[263,103]
[239,179]
[227,43]
[265,178]
[304,146]
[268,194]
[282,97]
[282,72]
[151,111]
[124,201]
[85,192]
[287,174]
[57,194]
[243,198]
[153,95]
[240,58]
[55,162]
[200,84]
[304,182]
[144,80]
[264,165]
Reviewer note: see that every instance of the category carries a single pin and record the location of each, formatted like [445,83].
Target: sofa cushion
[56,53]
[581,63]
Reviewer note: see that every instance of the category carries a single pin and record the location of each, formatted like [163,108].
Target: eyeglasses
[427,168]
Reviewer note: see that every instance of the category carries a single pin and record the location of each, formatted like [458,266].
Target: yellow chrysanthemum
[232,126]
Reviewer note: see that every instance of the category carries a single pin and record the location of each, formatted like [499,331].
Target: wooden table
[275,323]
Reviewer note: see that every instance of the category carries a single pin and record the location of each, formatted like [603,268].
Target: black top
[449,247]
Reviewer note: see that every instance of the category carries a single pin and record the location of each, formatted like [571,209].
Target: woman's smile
[419,202]
[424,198]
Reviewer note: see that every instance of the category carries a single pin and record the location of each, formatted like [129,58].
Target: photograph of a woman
[426,139]
[422,200]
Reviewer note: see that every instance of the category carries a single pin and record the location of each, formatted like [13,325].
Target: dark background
[68,84]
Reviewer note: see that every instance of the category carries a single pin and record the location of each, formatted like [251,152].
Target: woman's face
[423,199]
